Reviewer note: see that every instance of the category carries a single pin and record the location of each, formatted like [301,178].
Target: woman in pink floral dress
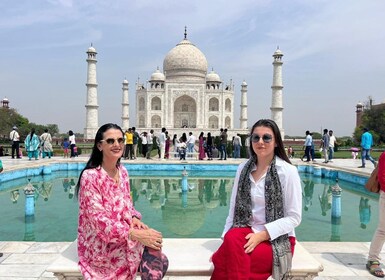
[113,242]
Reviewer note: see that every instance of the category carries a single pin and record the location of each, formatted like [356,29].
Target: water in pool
[198,213]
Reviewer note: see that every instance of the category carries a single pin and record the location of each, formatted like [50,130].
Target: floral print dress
[105,217]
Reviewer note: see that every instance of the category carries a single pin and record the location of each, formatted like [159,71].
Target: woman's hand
[254,239]
[136,223]
[148,237]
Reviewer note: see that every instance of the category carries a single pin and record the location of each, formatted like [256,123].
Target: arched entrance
[185,112]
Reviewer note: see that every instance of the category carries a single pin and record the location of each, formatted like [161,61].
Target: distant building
[185,96]
[5,103]
[360,109]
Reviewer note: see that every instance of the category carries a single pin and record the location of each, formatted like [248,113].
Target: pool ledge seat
[187,257]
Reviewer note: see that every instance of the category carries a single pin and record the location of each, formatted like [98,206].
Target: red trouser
[231,262]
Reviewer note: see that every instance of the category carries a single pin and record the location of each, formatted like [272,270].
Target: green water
[199,213]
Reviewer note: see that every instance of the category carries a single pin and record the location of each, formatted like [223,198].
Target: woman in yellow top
[129,142]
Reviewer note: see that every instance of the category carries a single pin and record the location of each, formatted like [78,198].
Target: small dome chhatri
[213,77]
[157,76]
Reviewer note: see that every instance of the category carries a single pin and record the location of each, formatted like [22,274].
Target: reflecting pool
[191,206]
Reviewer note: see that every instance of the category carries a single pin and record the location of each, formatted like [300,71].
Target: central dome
[185,60]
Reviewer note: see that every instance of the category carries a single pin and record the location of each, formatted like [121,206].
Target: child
[182,151]
[21,151]
[76,151]
[65,145]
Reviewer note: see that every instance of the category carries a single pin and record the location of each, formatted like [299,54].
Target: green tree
[373,120]
[9,117]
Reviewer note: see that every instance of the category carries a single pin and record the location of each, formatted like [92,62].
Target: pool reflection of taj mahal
[183,95]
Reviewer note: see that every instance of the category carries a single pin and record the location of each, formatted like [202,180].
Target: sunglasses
[265,137]
[111,141]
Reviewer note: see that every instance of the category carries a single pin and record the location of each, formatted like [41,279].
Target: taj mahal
[183,97]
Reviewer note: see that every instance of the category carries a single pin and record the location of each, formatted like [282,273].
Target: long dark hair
[279,150]
[32,132]
[96,157]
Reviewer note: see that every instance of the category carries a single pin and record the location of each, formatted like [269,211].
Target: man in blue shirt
[366,146]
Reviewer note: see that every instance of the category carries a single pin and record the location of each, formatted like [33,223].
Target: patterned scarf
[274,208]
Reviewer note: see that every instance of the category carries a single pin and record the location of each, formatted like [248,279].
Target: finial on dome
[185,32]
[278,47]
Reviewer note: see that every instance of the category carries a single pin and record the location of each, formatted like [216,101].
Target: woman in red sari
[202,153]
[265,207]
[167,148]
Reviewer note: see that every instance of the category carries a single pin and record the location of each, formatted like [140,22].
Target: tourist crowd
[205,146]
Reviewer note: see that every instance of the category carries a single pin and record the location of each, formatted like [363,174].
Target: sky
[333,55]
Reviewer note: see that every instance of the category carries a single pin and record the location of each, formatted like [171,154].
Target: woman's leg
[379,236]
[231,261]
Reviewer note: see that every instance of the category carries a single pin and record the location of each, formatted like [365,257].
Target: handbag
[372,184]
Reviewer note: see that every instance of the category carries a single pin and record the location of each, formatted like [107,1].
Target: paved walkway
[341,260]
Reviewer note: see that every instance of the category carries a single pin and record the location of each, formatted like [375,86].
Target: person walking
[129,142]
[209,146]
[162,143]
[15,138]
[72,140]
[373,263]
[223,143]
[143,137]
[247,146]
[175,143]
[65,145]
[325,145]
[201,148]
[150,143]
[237,144]
[113,241]
[167,146]
[366,146]
[135,141]
[32,145]
[332,143]
[46,144]
[308,143]
[190,143]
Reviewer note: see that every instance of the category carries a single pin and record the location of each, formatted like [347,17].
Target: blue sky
[333,55]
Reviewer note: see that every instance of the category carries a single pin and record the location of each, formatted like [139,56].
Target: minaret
[359,113]
[276,101]
[243,118]
[125,106]
[92,96]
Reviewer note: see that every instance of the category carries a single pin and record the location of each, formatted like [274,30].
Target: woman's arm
[230,217]
[292,192]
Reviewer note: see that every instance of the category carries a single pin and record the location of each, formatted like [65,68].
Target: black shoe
[361,166]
